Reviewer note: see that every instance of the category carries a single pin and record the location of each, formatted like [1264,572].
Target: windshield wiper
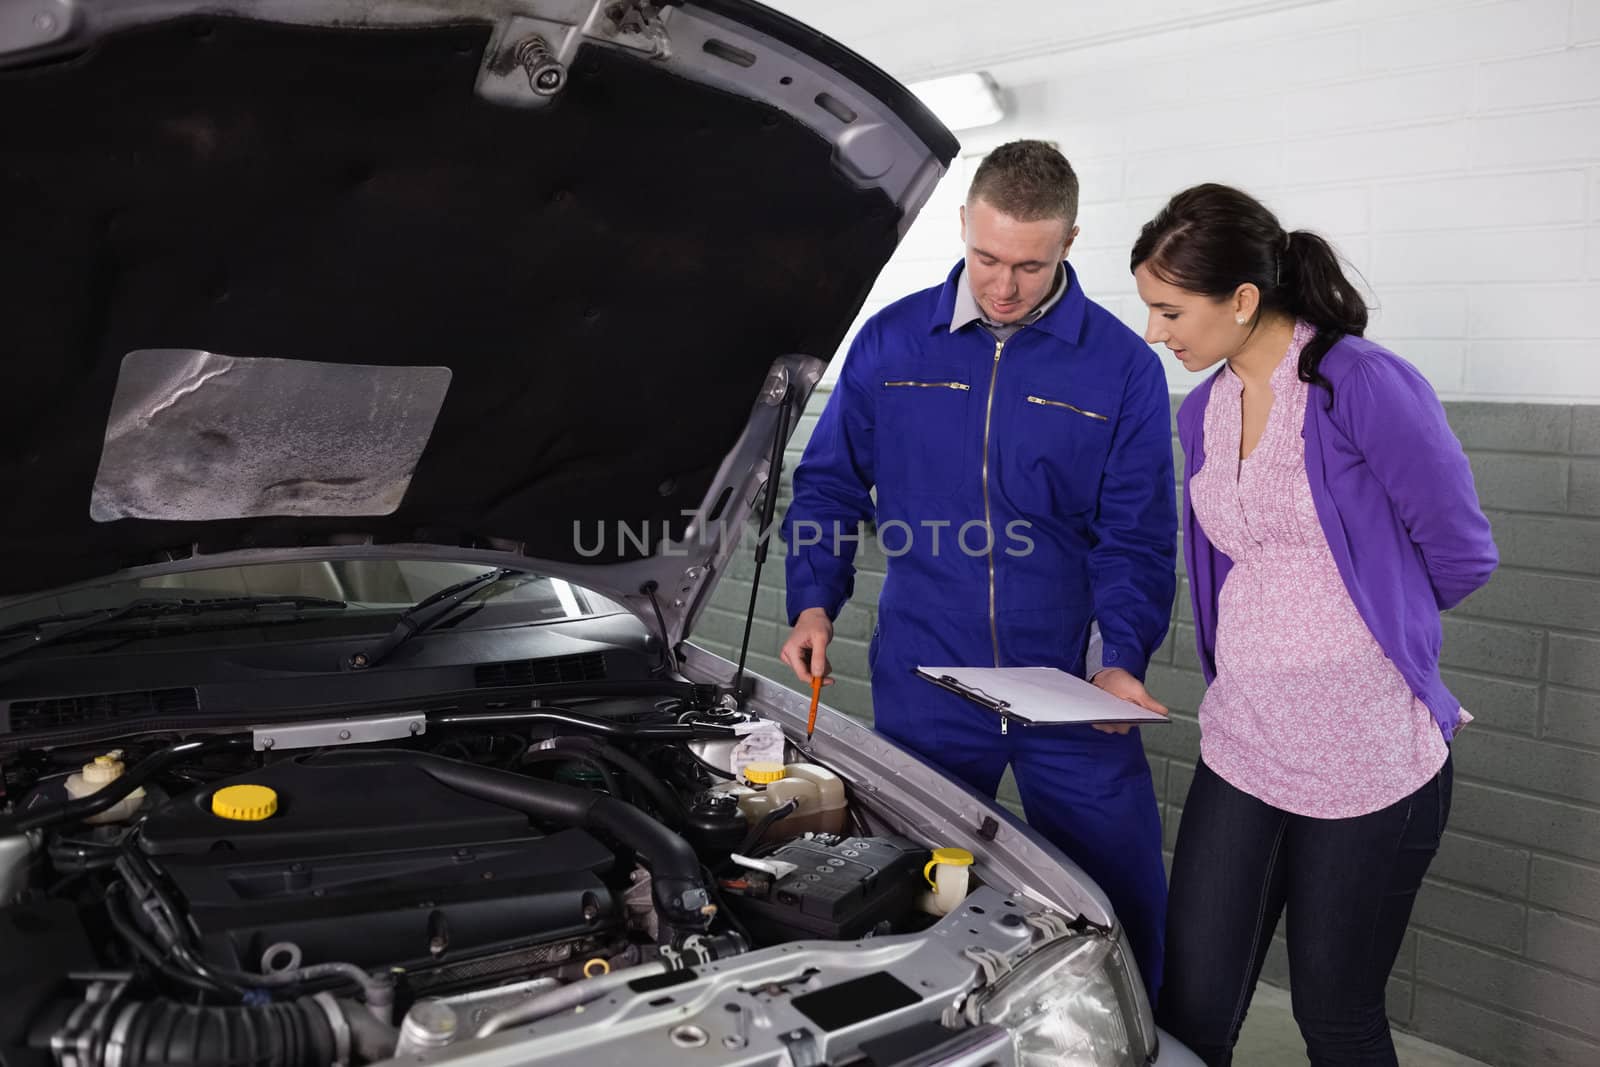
[427,613]
[37,633]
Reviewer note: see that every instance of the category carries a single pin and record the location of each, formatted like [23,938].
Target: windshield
[378,586]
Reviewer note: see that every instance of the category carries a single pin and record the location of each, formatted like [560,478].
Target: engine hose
[107,797]
[139,878]
[116,912]
[307,1032]
[165,1033]
[680,892]
[143,885]
[759,830]
[377,990]
[666,802]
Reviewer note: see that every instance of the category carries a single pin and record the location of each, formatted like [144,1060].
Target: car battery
[842,887]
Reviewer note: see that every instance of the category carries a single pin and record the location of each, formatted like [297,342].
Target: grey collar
[967,310]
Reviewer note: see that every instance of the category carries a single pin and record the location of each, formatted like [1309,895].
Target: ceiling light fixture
[962,101]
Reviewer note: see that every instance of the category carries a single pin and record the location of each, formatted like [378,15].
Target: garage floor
[1271,1039]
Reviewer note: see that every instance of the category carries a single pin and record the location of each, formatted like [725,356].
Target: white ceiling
[920,38]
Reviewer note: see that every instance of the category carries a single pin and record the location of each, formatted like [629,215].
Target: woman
[1329,516]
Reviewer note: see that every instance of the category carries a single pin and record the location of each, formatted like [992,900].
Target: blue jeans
[1348,884]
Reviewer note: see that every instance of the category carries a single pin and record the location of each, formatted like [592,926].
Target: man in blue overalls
[1017,437]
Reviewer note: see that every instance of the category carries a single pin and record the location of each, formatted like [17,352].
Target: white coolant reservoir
[818,794]
[948,876]
[828,811]
[95,776]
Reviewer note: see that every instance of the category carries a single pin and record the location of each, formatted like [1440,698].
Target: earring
[1240,320]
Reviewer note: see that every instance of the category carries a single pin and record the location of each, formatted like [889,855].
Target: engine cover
[378,866]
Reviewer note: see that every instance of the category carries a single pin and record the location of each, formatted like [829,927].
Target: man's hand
[1119,683]
[806,651]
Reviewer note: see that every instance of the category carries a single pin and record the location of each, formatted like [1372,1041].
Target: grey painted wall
[1503,958]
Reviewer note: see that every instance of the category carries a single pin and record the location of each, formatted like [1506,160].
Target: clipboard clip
[974,694]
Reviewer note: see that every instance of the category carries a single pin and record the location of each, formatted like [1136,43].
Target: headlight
[1074,1003]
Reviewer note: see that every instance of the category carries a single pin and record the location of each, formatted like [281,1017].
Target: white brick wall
[1564,312]
[1450,149]
[1531,199]
[1585,22]
[1542,255]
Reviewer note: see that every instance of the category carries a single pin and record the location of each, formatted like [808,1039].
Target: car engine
[219,901]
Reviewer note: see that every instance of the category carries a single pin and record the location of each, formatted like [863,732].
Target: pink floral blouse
[1306,712]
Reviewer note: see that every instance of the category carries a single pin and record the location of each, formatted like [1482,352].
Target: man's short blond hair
[1028,180]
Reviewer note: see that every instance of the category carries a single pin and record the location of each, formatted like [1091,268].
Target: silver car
[390,382]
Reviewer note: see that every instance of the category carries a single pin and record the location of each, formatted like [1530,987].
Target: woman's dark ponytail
[1317,291]
[1211,239]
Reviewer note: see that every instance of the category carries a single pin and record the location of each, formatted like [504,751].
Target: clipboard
[1038,696]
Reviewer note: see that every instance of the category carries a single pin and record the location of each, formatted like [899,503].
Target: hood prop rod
[669,658]
[769,507]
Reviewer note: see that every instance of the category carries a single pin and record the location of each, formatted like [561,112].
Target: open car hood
[526,280]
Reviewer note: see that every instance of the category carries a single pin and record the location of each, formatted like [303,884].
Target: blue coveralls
[1064,427]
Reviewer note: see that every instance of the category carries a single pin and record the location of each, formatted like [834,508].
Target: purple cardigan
[1396,501]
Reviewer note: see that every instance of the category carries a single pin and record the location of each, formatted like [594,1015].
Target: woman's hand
[1119,683]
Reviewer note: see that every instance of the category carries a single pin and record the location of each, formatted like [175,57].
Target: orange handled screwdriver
[816,695]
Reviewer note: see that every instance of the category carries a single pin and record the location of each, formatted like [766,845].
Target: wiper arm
[40,632]
[426,613]
[49,631]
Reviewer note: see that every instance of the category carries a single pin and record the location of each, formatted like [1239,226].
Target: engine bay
[380,866]
[180,898]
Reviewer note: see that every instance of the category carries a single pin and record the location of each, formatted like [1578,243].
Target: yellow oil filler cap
[246,803]
[764,773]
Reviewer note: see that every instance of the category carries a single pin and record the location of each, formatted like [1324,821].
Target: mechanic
[1017,437]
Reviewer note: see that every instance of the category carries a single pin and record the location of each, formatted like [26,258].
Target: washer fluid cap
[103,769]
[955,857]
[246,803]
[765,773]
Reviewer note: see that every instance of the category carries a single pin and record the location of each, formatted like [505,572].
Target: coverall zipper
[1069,407]
[994,625]
[963,386]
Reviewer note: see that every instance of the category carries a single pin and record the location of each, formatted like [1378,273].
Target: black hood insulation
[608,278]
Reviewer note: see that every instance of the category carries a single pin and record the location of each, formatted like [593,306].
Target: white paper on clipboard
[1038,696]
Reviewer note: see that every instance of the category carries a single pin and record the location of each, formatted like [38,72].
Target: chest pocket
[1061,438]
[922,438]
